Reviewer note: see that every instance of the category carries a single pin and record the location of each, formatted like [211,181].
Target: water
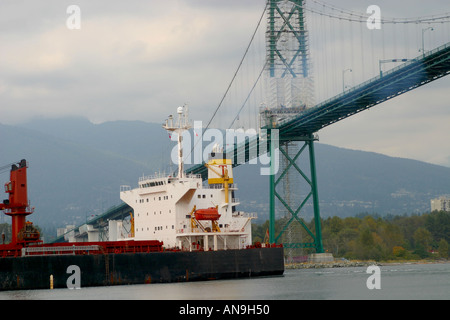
[407,281]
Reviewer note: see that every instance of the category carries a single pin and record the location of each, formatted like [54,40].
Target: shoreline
[356,263]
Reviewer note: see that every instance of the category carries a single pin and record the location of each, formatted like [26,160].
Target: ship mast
[181,125]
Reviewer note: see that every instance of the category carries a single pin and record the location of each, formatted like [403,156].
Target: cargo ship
[180,229]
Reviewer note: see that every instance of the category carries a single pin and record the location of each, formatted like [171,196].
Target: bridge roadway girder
[406,77]
[120,211]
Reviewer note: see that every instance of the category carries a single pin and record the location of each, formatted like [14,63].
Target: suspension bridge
[307,51]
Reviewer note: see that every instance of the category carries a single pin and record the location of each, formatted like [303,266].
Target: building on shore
[440,204]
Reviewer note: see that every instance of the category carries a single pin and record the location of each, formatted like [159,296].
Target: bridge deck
[406,77]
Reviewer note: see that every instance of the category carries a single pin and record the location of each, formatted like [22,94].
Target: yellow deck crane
[220,174]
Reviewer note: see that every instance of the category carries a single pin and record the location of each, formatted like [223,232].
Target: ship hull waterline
[34,272]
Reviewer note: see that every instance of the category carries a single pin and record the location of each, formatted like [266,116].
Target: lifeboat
[207,214]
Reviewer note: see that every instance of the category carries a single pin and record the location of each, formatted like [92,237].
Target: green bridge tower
[289,89]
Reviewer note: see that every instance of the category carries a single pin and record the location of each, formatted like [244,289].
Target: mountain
[352,182]
[76,169]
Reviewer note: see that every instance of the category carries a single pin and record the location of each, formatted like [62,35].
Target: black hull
[34,272]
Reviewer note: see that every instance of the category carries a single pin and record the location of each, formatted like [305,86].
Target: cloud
[141,59]
[128,60]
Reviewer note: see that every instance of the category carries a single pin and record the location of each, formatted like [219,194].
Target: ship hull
[34,272]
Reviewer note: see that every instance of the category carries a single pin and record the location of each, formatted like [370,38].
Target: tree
[407,226]
[399,252]
[438,223]
[366,238]
[423,237]
[372,237]
[443,249]
[335,224]
[422,240]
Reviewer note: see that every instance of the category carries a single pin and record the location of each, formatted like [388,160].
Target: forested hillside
[380,238]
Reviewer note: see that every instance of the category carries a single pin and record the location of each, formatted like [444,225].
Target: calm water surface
[408,281]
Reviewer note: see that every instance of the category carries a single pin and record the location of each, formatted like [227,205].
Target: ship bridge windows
[153,184]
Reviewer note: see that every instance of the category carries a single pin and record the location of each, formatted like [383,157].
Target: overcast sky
[140,59]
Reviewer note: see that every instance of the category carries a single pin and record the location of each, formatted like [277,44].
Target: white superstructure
[172,209]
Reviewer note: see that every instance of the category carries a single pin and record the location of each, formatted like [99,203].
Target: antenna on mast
[181,124]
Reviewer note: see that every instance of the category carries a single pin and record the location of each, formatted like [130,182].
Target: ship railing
[195,176]
[28,210]
[157,175]
[59,250]
[124,188]
[164,176]
[251,215]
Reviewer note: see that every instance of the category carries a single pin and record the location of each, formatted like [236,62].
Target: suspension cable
[239,66]
[249,94]
[353,16]
[234,77]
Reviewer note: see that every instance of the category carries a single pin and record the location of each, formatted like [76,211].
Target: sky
[140,60]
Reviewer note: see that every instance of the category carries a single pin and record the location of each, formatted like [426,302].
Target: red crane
[18,207]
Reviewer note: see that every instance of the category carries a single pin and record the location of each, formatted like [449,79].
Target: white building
[440,204]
